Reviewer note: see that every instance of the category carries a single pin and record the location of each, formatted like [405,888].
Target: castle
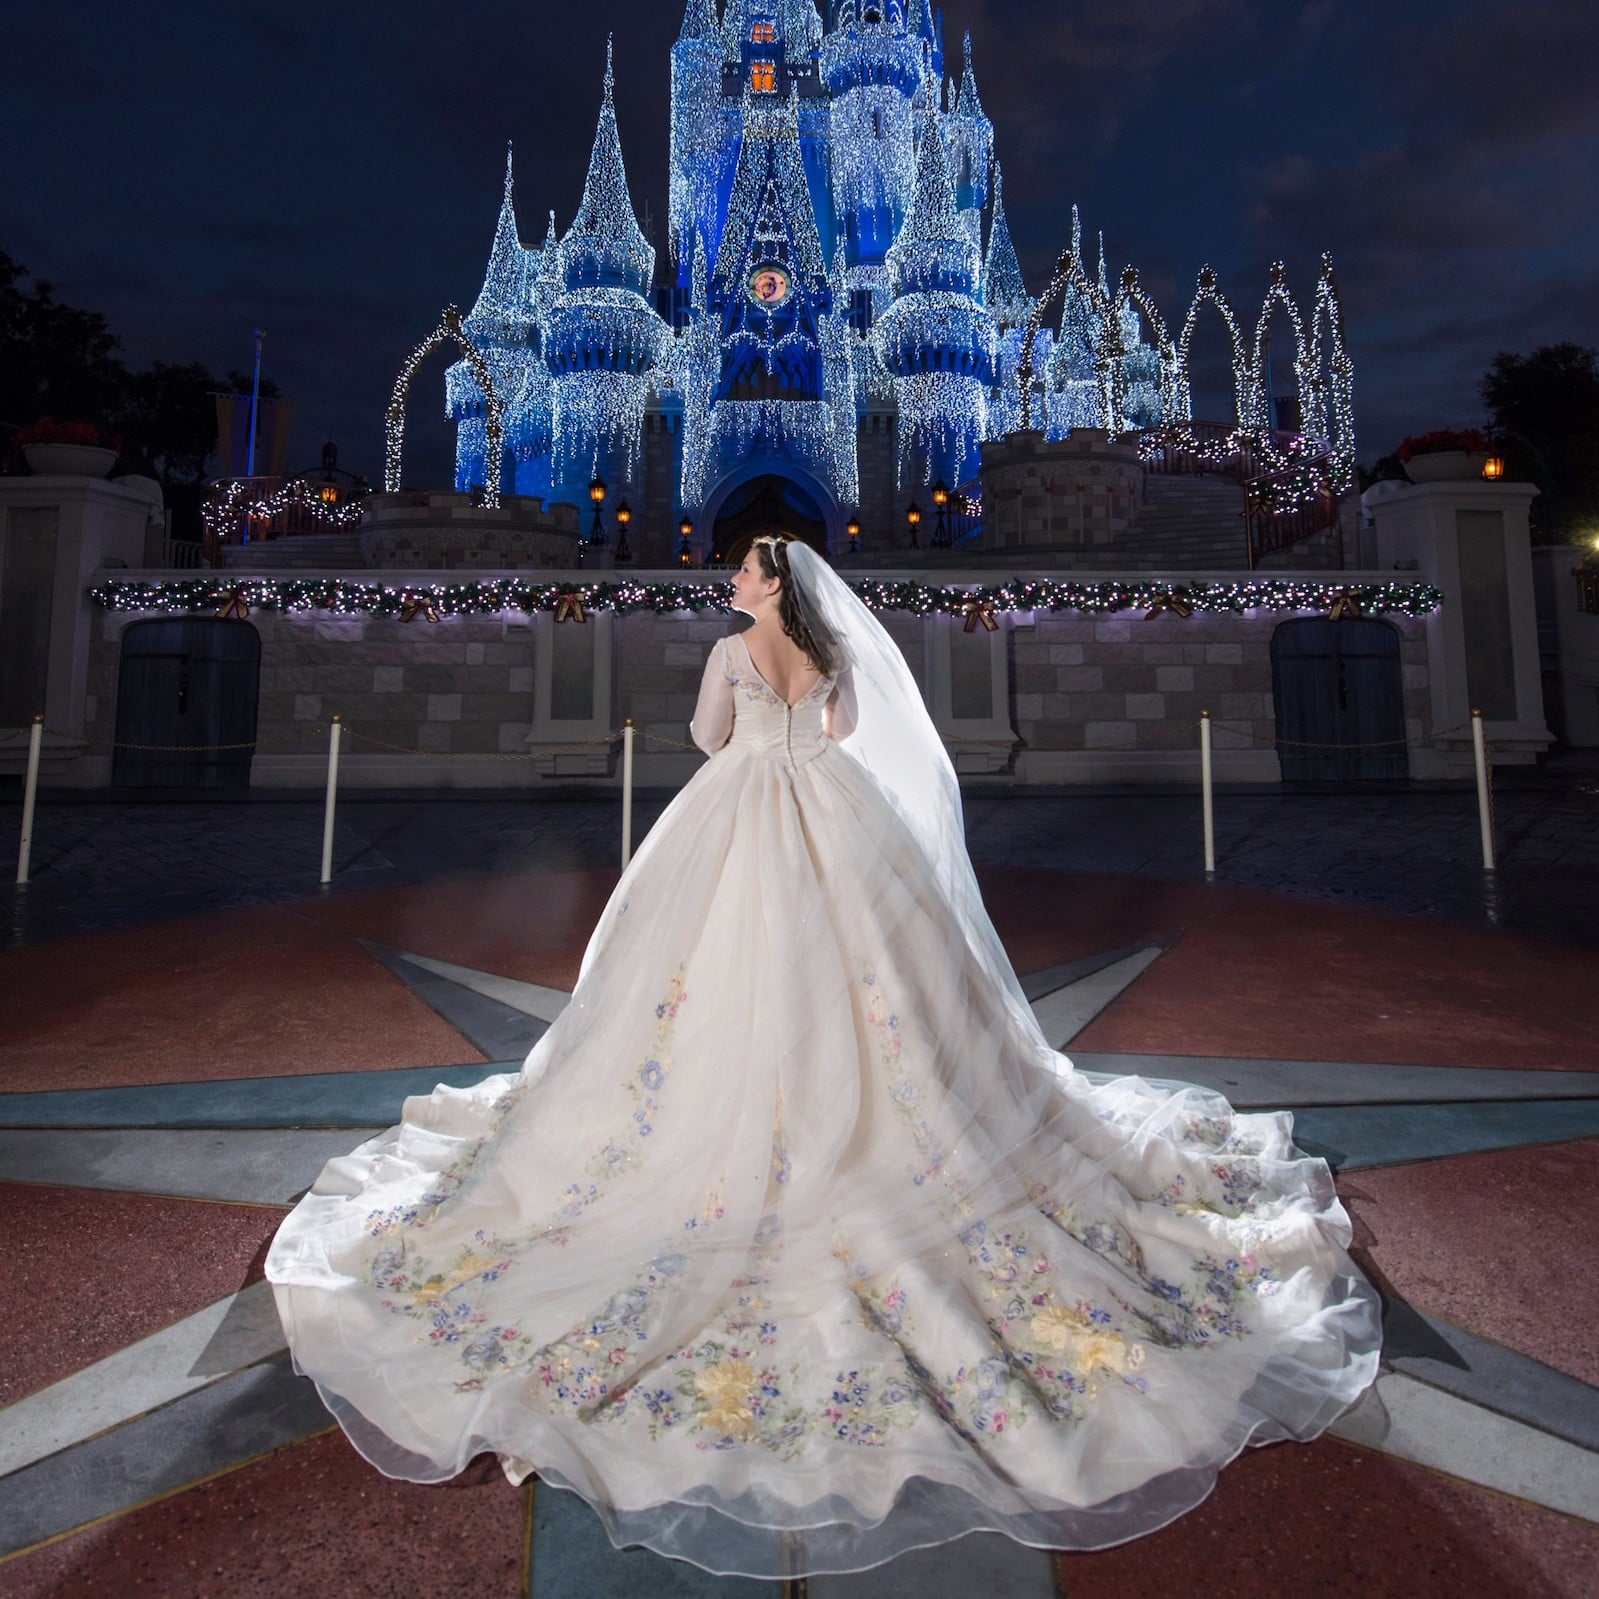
[841,322]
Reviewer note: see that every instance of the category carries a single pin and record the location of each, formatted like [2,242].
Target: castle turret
[871,65]
[602,337]
[501,325]
[697,182]
[969,139]
[935,339]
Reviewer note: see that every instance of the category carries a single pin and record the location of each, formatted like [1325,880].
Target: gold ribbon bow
[234,605]
[569,607]
[976,611]
[415,605]
[1177,602]
[1345,603]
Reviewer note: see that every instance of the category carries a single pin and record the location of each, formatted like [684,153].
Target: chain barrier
[1309,744]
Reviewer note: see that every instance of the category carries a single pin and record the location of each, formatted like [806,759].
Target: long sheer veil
[895,740]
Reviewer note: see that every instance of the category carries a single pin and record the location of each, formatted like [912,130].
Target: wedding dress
[794,1244]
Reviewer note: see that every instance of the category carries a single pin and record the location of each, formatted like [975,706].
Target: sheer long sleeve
[841,705]
[713,715]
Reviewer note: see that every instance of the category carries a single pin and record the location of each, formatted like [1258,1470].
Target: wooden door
[1339,685]
[187,685]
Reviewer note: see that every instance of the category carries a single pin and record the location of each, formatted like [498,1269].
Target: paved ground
[191,1027]
[100,864]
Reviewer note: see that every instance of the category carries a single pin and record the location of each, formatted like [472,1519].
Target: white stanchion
[1206,798]
[335,731]
[627,792]
[30,790]
[1485,812]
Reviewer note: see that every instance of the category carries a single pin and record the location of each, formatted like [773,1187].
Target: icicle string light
[358,598]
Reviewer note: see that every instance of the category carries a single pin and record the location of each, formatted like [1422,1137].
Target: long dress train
[793,1245]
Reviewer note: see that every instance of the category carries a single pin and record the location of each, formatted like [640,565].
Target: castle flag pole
[255,401]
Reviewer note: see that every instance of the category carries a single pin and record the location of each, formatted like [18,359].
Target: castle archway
[770,496]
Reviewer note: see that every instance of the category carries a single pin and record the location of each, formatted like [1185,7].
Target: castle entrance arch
[766,496]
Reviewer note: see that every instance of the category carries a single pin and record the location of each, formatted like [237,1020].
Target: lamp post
[685,556]
[597,496]
[853,528]
[624,515]
[940,539]
[913,519]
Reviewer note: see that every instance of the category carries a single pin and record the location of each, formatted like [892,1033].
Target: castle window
[763,77]
[763,32]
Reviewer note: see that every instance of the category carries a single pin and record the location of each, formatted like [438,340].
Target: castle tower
[700,158]
[871,66]
[770,298]
[1009,304]
[501,325]
[602,338]
[969,140]
[935,339]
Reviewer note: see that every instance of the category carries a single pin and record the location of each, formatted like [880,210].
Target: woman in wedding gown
[794,1244]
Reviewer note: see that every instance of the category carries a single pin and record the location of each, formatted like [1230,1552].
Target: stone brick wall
[1110,698]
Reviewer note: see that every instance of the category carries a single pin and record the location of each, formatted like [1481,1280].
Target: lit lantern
[913,518]
[1494,468]
[853,529]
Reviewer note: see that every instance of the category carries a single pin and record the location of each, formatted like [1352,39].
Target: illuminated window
[763,32]
[763,77]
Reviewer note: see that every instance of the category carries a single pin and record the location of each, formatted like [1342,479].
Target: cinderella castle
[840,321]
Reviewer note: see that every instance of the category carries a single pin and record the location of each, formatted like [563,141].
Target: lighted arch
[1132,292]
[1243,380]
[1305,376]
[394,418]
[1327,349]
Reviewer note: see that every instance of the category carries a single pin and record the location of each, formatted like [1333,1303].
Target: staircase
[319,552]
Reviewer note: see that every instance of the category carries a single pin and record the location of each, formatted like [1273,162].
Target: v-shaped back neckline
[821,678]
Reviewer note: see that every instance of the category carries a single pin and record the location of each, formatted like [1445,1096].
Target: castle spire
[966,103]
[604,243]
[699,21]
[501,313]
[1004,291]
[933,216]
[1104,283]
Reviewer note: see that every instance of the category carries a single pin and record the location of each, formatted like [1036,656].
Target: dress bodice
[764,723]
[739,710]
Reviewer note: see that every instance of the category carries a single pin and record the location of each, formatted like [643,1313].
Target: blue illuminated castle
[841,319]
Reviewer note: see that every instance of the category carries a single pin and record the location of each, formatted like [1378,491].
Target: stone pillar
[1470,537]
[56,534]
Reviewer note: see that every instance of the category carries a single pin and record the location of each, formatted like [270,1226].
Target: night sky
[333,173]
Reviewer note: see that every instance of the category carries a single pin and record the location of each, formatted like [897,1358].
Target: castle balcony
[604,337]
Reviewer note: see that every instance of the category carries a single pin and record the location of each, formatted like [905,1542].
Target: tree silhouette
[1545,414]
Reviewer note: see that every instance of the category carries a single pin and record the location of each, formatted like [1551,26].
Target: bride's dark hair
[821,648]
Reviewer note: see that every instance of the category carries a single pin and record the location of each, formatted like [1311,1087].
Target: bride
[794,1245]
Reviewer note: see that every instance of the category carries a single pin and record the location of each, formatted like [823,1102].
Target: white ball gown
[794,1245]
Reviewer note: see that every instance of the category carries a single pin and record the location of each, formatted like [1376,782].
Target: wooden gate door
[186,681]
[1339,683]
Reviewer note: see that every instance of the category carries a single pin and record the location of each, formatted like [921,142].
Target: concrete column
[1470,538]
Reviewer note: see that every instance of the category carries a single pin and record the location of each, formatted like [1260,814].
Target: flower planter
[1444,466]
[69,460]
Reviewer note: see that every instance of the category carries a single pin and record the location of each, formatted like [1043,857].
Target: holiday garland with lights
[408,601]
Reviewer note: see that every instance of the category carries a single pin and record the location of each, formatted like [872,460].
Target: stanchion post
[1206,800]
[335,730]
[1485,811]
[30,790]
[627,792]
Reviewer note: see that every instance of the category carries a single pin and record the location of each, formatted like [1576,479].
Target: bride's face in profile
[753,592]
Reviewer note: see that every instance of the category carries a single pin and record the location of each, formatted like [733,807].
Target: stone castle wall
[1050,697]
